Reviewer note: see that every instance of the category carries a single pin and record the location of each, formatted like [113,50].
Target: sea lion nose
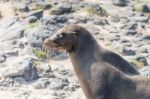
[51,38]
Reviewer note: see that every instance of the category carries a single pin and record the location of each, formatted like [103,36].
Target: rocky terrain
[27,72]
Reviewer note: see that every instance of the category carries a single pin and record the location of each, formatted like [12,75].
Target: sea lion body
[102,74]
[108,82]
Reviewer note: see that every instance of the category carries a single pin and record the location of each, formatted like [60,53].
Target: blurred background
[27,72]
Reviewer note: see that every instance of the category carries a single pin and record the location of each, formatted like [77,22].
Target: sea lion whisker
[55,47]
[50,47]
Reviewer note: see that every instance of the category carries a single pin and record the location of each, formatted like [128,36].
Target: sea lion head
[67,38]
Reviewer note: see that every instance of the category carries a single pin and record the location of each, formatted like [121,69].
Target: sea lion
[80,44]
[98,70]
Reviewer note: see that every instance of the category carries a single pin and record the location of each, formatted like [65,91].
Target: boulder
[25,69]
[31,19]
[41,83]
[44,70]
[37,43]
[130,32]
[54,19]
[128,51]
[146,8]
[43,5]
[56,84]
[12,31]
[61,9]
[12,53]
[37,13]
[23,8]
[146,37]
[143,19]
[7,23]
[119,2]
[37,34]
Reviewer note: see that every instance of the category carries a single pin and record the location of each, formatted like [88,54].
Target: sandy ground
[6,10]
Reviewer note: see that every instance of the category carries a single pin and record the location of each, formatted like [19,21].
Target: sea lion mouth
[50,46]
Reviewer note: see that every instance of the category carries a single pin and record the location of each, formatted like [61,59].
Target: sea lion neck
[84,53]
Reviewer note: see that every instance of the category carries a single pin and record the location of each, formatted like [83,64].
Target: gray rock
[129,44]
[43,32]
[2,58]
[142,25]
[120,2]
[37,43]
[13,33]
[73,83]
[75,1]
[146,37]
[112,29]
[57,84]
[82,19]
[21,94]
[38,14]
[59,94]
[145,71]
[23,8]
[143,49]
[141,19]
[44,70]
[8,82]
[131,32]
[31,19]
[131,26]
[21,45]
[30,71]
[12,53]
[84,4]
[128,52]
[58,55]
[114,18]
[53,20]
[20,80]
[35,35]
[61,9]
[5,24]
[24,69]
[101,22]
[78,94]
[43,5]
[41,83]
[146,8]
[72,21]
[124,40]
[96,8]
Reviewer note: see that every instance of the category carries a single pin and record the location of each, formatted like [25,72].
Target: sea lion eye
[60,35]
[63,34]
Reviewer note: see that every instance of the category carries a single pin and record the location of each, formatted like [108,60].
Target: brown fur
[103,74]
